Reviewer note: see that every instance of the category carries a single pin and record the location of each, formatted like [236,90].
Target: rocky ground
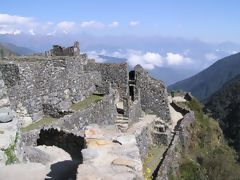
[110,154]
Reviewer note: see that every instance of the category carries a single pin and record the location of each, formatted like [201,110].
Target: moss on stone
[87,102]
[44,121]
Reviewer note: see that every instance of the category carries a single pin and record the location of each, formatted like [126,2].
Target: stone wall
[115,74]
[144,141]
[153,94]
[179,143]
[6,114]
[102,113]
[55,83]
[135,111]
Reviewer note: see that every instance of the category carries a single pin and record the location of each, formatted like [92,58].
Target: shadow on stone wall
[67,141]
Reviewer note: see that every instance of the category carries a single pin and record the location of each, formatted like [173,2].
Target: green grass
[151,160]
[10,152]
[87,102]
[208,156]
[44,121]
[78,106]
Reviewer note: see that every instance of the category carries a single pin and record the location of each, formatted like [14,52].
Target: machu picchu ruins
[96,120]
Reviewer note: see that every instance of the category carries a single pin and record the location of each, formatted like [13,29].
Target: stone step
[159,127]
[159,122]
[122,118]
[121,121]
[122,127]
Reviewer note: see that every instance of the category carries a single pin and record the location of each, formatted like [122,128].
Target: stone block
[6,114]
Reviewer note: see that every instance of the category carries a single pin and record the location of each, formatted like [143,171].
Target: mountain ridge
[208,81]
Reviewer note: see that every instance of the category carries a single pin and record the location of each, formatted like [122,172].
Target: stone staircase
[122,122]
[161,133]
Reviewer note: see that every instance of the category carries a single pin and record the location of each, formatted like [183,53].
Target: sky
[184,35]
[210,21]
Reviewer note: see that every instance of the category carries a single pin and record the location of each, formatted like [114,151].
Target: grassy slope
[224,105]
[209,157]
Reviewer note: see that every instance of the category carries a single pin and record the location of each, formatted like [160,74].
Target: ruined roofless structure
[86,109]
[58,50]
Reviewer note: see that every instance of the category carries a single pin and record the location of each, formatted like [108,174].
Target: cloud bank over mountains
[151,52]
[149,60]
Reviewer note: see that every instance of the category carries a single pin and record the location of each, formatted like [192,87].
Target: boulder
[6,115]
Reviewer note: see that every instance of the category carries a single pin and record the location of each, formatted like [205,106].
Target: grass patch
[87,102]
[44,121]
[1,132]
[208,157]
[10,152]
[152,160]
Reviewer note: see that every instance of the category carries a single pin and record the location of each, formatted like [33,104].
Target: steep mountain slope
[17,49]
[225,106]
[208,157]
[208,81]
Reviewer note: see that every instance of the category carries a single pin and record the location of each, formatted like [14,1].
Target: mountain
[208,81]
[18,49]
[224,105]
[6,52]
[171,75]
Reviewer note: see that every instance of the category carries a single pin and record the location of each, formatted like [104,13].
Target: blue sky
[211,21]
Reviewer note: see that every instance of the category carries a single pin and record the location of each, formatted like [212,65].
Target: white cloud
[211,57]
[12,19]
[66,26]
[94,55]
[53,33]
[134,23]
[177,59]
[148,60]
[114,24]
[92,24]
[12,24]
[31,31]
[10,31]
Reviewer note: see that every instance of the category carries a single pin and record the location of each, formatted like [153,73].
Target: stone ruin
[58,50]
[133,110]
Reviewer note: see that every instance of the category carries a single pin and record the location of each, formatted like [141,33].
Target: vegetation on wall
[10,152]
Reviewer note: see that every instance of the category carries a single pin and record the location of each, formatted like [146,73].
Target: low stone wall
[179,143]
[8,123]
[179,108]
[102,113]
[135,112]
[153,94]
[144,141]
[57,83]
[114,74]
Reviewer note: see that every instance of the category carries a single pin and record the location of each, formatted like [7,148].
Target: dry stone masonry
[134,110]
